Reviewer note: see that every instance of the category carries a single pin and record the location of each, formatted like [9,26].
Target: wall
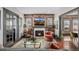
[56,22]
[1,29]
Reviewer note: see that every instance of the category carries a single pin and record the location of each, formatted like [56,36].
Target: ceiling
[44,10]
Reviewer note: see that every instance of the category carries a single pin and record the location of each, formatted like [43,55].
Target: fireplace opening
[39,33]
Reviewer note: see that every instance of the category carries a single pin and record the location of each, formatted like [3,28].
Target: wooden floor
[67,44]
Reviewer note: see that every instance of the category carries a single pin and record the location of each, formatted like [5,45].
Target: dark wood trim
[60,27]
[33,16]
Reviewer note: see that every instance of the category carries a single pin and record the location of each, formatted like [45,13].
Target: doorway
[69,28]
[10,28]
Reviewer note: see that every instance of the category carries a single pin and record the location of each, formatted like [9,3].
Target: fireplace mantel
[39,32]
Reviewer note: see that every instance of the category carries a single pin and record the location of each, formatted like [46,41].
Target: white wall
[56,20]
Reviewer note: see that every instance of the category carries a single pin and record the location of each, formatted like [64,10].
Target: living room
[40,28]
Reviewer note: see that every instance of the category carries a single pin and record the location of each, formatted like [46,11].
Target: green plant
[33,40]
[61,36]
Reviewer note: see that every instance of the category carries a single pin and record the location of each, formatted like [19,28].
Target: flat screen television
[39,22]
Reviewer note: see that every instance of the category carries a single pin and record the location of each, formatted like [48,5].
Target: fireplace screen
[39,33]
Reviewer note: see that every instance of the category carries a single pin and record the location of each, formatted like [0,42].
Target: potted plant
[61,37]
[33,40]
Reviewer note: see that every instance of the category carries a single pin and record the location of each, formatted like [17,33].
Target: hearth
[39,32]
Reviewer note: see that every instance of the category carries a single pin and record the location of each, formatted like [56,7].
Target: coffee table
[30,44]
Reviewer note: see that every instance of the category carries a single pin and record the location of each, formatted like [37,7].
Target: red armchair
[58,45]
[49,36]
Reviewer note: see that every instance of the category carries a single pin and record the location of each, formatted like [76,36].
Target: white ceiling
[44,10]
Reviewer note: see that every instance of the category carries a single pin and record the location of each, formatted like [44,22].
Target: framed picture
[49,22]
[28,22]
[39,22]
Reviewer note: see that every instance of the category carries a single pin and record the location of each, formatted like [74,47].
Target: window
[66,25]
[75,25]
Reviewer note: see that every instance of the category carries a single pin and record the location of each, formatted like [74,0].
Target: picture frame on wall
[39,22]
[28,22]
[49,22]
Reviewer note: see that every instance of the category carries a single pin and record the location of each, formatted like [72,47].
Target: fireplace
[39,32]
